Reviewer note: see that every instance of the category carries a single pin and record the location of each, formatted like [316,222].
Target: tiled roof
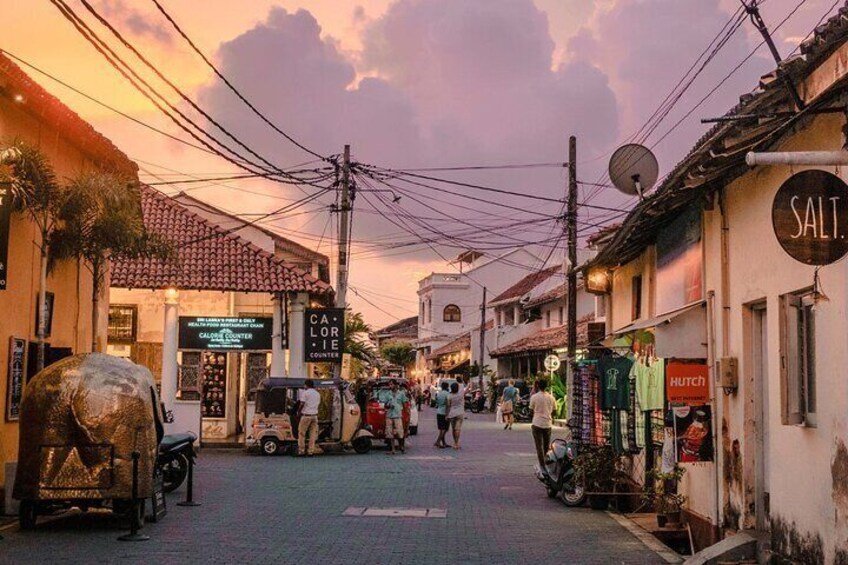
[553,294]
[51,111]
[718,157]
[460,343]
[207,257]
[527,284]
[408,328]
[546,340]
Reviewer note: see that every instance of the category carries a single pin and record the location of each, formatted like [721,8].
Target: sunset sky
[409,83]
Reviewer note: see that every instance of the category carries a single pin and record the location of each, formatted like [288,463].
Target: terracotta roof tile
[527,284]
[460,343]
[546,340]
[207,257]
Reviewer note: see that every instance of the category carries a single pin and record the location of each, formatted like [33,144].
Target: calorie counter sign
[324,335]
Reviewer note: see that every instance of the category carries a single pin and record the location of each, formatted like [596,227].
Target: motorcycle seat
[171,441]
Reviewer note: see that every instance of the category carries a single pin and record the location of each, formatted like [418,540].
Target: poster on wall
[693,434]
[213,400]
[687,383]
[5,225]
[15,383]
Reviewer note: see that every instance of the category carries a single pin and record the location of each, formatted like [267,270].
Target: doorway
[760,396]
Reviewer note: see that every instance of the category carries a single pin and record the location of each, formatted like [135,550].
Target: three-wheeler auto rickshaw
[275,422]
[375,412]
[81,420]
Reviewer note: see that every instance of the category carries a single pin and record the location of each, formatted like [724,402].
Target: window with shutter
[797,360]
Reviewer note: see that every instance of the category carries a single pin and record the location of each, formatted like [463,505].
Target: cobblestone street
[287,510]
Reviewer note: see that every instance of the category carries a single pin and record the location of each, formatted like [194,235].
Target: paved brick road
[286,510]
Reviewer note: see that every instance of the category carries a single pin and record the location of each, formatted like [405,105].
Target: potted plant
[597,465]
[662,493]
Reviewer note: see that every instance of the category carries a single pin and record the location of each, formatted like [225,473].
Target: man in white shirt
[543,405]
[310,399]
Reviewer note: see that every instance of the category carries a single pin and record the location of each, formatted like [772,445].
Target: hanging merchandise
[693,433]
[649,376]
[614,373]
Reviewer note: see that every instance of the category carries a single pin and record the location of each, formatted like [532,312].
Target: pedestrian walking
[393,400]
[307,412]
[442,414]
[543,405]
[456,411]
[510,393]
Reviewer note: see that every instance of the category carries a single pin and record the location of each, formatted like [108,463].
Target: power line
[231,86]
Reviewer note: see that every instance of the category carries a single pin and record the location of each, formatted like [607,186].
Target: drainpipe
[814,158]
[711,361]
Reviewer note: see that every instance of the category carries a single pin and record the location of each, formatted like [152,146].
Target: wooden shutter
[791,362]
[148,354]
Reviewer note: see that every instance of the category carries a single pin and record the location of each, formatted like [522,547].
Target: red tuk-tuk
[375,413]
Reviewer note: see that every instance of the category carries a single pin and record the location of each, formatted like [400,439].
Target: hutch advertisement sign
[324,335]
[687,383]
[225,334]
[810,217]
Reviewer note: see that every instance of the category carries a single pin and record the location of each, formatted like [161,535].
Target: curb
[647,539]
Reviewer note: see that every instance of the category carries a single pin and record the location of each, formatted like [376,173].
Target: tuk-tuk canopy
[284,382]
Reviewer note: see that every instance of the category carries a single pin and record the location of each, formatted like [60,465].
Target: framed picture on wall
[15,383]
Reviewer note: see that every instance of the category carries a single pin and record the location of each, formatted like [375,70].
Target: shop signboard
[225,334]
[324,341]
[15,383]
[810,217]
[687,383]
[5,225]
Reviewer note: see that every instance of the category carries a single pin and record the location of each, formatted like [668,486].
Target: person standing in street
[543,405]
[393,400]
[456,411]
[442,414]
[508,402]
[310,400]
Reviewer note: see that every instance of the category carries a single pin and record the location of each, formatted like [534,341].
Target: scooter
[559,476]
[474,401]
[521,409]
[175,453]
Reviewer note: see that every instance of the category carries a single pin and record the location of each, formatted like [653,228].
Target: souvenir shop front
[645,391]
[221,361]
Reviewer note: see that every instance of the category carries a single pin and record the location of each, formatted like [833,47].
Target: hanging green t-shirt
[650,383]
[615,382]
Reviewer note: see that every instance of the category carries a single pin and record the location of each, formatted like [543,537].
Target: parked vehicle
[275,423]
[375,412]
[559,476]
[475,401]
[176,451]
[81,421]
[521,409]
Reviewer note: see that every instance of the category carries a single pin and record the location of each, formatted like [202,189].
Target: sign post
[324,333]
[552,363]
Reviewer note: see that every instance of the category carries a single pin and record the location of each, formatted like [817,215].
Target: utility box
[728,372]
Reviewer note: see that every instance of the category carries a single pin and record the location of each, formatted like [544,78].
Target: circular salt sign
[810,217]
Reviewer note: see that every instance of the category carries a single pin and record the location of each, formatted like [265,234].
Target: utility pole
[482,341]
[571,273]
[344,223]
[345,207]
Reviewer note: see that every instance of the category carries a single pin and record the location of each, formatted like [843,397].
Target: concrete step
[738,548]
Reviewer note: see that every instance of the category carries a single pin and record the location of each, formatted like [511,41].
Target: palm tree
[36,190]
[398,353]
[100,218]
[356,344]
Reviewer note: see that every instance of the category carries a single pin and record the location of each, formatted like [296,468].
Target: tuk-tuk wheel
[362,445]
[28,514]
[270,446]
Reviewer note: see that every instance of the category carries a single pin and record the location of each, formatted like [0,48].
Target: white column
[516,314]
[278,354]
[297,365]
[170,345]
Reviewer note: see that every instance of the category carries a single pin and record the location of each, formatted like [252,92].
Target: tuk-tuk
[375,412]
[275,422]
[81,420]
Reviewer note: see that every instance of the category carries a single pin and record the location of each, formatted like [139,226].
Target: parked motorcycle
[521,409]
[559,476]
[176,451]
[474,401]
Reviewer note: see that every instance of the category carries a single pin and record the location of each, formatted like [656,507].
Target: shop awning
[456,366]
[681,333]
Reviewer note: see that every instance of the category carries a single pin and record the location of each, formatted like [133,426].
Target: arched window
[452,313]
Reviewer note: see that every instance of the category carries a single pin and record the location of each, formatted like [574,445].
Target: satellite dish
[633,169]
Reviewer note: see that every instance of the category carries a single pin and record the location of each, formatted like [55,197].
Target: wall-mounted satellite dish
[633,169]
